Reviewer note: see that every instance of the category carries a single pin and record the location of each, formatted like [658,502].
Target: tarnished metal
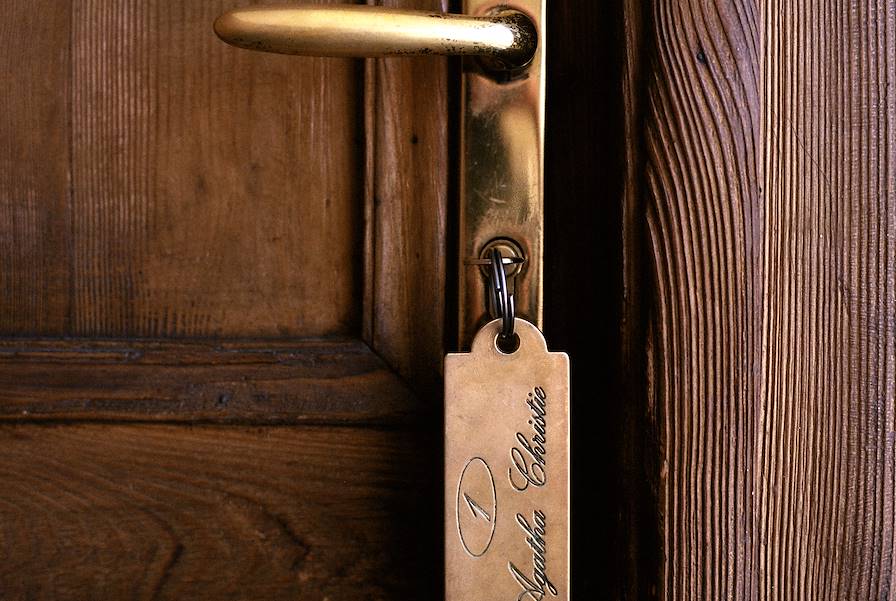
[502,163]
[507,470]
[506,38]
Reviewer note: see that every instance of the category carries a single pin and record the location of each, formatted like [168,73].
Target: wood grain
[158,185]
[173,512]
[826,459]
[35,138]
[178,186]
[323,381]
[704,236]
[408,189]
[762,155]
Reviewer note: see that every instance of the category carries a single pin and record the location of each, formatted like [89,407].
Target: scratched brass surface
[370,31]
[502,163]
[507,470]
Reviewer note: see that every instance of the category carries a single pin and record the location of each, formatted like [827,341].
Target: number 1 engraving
[475,508]
[476,528]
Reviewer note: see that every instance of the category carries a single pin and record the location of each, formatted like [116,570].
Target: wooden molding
[322,381]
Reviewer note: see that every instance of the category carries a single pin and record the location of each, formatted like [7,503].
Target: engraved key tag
[507,470]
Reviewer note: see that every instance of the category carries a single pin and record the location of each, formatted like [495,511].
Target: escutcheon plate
[502,173]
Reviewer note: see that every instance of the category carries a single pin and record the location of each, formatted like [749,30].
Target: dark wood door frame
[721,240]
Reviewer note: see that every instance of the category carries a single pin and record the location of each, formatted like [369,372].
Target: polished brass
[507,470]
[502,163]
[504,37]
[502,141]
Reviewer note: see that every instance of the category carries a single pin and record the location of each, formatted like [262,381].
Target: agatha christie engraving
[530,469]
[477,507]
[534,588]
[529,464]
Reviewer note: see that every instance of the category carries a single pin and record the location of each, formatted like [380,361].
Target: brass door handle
[507,38]
[502,122]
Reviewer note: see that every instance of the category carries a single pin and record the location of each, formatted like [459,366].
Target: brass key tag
[507,470]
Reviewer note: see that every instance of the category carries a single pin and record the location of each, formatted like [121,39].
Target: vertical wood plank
[703,210]
[410,197]
[157,182]
[34,168]
[827,459]
[216,189]
[761,167]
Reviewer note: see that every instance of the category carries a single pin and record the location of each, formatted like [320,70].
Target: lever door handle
[502,121]
[507,38]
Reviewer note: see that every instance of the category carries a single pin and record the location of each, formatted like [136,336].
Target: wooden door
[222,284]
[223,304]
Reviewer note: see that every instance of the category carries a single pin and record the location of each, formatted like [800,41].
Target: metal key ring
[504,304]
[505,260]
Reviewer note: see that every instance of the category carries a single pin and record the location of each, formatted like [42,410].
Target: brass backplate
[501,172]
[507,470]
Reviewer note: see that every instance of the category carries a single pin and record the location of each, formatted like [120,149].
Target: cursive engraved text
[529,464]
[536,587]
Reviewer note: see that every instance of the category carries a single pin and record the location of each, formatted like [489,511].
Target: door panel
[222,288]
[34,168]
[122,511]
[188,189]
